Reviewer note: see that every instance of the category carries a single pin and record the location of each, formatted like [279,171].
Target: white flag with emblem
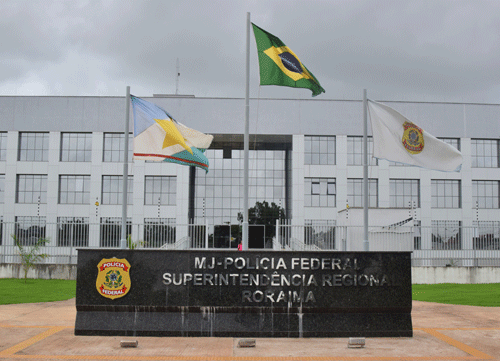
[397,139]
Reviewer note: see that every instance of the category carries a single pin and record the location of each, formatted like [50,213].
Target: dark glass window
[160,190]
[31,188]
[485,194]
[446,235]
[445,193]
[33,147]
[28,230]
[404,193]
[355,192]
[74,189]
[320,192]
[114,147]
[159,232]
[76,147]
[355,151]
[319,149]
[3,145]
[112,188]
[484,153]
[73,231]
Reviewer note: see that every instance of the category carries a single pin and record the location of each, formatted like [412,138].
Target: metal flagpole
[246,141]
[366,244]
[123,241]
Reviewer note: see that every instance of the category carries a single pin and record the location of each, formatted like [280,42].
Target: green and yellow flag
[280,66]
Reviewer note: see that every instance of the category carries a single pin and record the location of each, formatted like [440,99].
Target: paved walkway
[44,331]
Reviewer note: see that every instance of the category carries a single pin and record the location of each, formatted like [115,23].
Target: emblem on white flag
[398,139]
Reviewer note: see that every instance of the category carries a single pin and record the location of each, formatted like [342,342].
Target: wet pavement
[45,331]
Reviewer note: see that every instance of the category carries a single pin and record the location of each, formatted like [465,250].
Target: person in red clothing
[240,246]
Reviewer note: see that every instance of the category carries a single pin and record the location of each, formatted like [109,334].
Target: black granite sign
[243,294]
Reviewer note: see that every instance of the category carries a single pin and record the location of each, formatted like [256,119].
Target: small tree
[30,254]
[265,214]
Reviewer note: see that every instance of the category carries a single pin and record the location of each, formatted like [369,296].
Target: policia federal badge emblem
[413,138]
[113,278]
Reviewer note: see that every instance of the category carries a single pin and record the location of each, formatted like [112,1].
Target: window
[315,187]
[487,235]
[355,151]
[31,188]
[29,230]
[219,193]
[73,231]
[320,233]
[454,142]
[445,193]
[446,235]
[319,150]
[320,192]
[160,190]
[404,193]
[2,188]
[74,189]
[114,146]
[355,193]
[158,232]
[417,235]
[33,147]
[112,188]
[76,147]
[485,194]
[484,153]
[111,231]
[3,145]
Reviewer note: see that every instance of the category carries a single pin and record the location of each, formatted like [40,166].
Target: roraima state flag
[159,137]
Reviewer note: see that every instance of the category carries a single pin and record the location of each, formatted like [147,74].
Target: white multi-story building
[61,170]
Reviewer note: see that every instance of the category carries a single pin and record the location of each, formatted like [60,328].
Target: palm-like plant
[30,254]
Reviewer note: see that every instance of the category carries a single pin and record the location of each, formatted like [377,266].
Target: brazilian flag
[280,66]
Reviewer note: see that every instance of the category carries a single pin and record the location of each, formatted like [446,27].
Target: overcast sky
[398,50]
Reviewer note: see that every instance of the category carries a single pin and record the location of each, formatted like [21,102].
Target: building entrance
[256,236]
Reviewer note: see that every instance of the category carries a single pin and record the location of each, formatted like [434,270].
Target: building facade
[61,171]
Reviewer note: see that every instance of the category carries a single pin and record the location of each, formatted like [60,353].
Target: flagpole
[366,244]
[246,141]
[123,241]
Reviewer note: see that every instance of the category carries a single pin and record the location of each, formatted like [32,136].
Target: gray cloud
[417,50]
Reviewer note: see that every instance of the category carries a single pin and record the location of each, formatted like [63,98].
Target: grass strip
[14,290]
[37,290]
[487,295]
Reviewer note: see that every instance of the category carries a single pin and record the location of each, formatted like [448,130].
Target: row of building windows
[156,232]
[77,147]
[75,189]
[450,235]
[485,153]
[319,192]
[74,147]
[74,231]
[443,234]
[403,193]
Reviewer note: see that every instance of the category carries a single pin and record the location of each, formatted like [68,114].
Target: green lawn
[14,290]
[459,294]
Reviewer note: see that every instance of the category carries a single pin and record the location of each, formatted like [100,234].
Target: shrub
[30,254]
